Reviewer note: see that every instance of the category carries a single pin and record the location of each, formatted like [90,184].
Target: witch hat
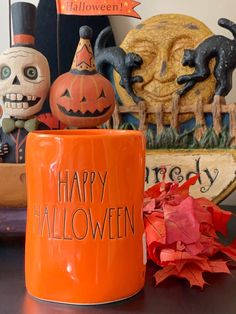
[24,18]
[84,60]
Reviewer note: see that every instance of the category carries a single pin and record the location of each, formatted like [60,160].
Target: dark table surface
[173,296]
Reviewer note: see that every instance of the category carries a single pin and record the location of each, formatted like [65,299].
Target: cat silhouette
[217,47]
[124,63]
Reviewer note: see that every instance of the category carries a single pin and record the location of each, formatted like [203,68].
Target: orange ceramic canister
[85,241]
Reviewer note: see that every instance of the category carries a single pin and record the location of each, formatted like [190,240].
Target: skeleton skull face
[24,81]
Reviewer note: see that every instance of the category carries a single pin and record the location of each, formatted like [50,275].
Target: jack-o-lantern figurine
[24,85]
[82,98]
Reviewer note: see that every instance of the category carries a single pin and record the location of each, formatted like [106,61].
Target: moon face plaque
[161,41]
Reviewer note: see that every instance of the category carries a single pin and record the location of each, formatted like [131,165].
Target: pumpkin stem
[84,58]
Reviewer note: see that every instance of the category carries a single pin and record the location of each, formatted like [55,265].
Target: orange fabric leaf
[194,248]
[193,274]
[202,214]
[181,224]
[155,190]
[155,235]
[149,206]
[190,272]
[170,256]
[181,233]
[220,217]
[184,188]
[165,273]
[155,229]
[219,266]
[229,250]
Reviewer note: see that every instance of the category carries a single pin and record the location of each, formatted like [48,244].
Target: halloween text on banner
[98,7]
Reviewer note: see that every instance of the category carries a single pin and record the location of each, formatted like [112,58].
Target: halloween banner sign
[98,7]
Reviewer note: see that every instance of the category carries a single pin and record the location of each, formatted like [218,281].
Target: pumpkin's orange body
[81,100]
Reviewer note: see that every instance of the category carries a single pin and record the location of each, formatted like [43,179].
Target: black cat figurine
[124,63]
[223,50]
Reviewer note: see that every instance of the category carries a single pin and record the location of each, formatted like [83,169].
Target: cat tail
[231,26]
[102,39]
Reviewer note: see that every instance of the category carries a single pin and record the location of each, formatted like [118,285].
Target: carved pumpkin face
[83,101]
[24,81]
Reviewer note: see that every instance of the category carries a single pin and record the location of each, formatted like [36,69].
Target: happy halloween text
[66,221]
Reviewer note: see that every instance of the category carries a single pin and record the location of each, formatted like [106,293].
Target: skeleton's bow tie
[9,125]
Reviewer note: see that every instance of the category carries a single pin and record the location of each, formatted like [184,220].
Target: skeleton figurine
[24,85]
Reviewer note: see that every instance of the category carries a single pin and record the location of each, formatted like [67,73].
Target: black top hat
[23,18]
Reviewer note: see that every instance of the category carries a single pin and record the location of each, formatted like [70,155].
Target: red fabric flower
[181,233]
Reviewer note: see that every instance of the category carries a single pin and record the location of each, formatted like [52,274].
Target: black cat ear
[189,51]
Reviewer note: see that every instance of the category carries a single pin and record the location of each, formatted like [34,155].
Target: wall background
[207,11]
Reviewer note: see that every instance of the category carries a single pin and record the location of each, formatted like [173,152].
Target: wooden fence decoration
[216,108]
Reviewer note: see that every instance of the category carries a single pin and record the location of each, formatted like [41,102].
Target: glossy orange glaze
[85,236]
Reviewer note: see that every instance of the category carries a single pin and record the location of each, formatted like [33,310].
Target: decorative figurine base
[216,169]
[12,182]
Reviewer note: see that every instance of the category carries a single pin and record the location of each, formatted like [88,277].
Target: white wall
[4,18]
[208,11]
